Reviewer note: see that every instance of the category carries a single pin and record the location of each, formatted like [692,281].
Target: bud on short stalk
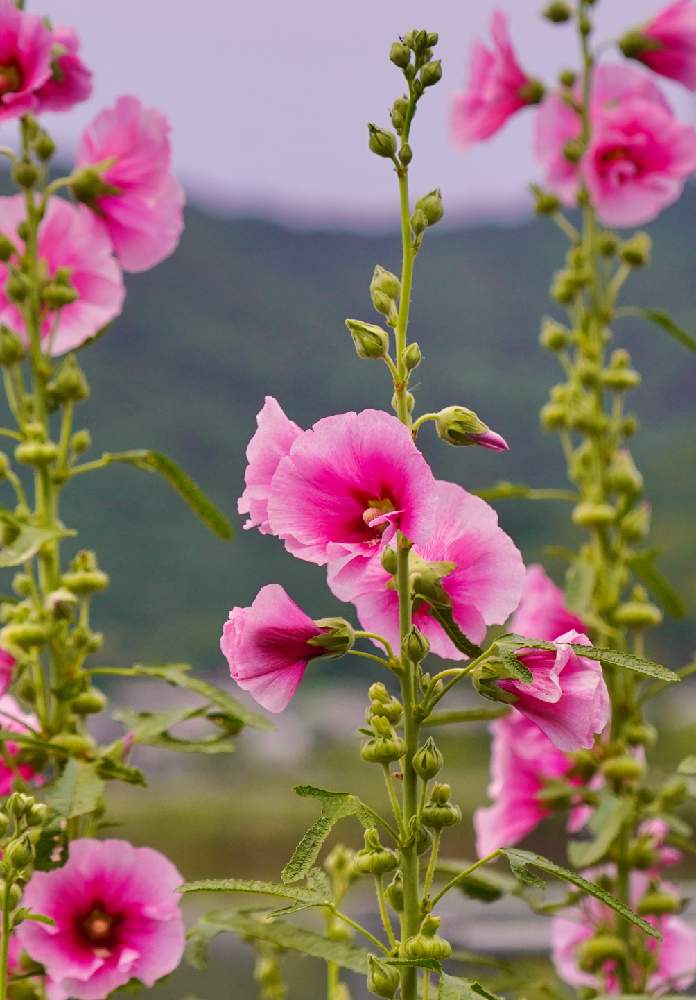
[438,811]
[374,858]
[427,943]
[382,142]
[336,639]
[371,342]
[382,980]
[457,425]
[428,760]
[430,205]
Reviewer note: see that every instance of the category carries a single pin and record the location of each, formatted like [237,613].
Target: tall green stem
[5,942]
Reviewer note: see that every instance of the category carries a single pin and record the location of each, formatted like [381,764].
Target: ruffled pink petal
[272,441]
[542,613]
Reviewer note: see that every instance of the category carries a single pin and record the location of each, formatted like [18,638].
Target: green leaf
[520,862]
[454,988]
[643,565]
[312,895]
[431,964]
[688,766]
[188,490]
[509,491]
[628,661]
[664,321]
[116,770]
[445,618]
[606,824]
[486,886]
[152,729]
[77,791]
[335,806]
[580,583]
[26,543]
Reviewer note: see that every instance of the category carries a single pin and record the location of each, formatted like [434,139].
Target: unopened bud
[37,815]
[458,426]
[638,614]
[17,287]
[428,761]
[431,73]
[19,853]
[567,78]
[623,768]
[371,342]
[558,11]
[7,248]
[382,980]
[81,441]
[416,645]
[431,206]
[553,336]
[439,812]
[405,154]
[400,54]
[657,904]
[427,943]
[598,950]
[25,174]
[90,702]
[573,151]
[383,749]
[389,560]
[12,350]
[636,524]
[336,638]
[593,515]
[412,356]
[85,581]
[395,892]
[382,142]
[57,296]
[636,251]
[623,475]
[608,243]
[44,146]
[385,281]
[545,203]
[70,383]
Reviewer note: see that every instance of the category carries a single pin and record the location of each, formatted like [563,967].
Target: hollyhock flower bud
[70,82]
[116,917]
[427,943]
[428,760]
[69,237]
[667,43]
[431,206]
[542,613]
[382,142]
[567,697]
[25,60]
[271,442]
[142,205]
[382,980]
[371,342]
[459,426]
[496,90]
[12,718]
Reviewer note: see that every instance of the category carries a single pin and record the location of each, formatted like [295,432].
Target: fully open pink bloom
[25,60]
[70,238]
[12,718]
[117,917]
[267,647]
[542,613]
[7,665]
[567,698]
[667,43]
[675,953]
[271,442]
[484,584]
[497,88]
[71,81]
[347,484]
[144,213]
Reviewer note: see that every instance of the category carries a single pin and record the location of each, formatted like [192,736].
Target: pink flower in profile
[567,698]
[523,760]
[7,665]
[347,485]
[667,43]
[268,647]
[271,442]
[496,90]
[12,718]
[117,918]
[483,583]
[675,954]
[69,238]
[542,613]
[71,81]
[139,200]
[25,60]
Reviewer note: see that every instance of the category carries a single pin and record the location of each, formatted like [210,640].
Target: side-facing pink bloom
[25,60]
[567,698]
[349,483]
[542,613]
[675,954]
[667,43]
[496,90]
[271,442]
[142,206]
[267,647]
[70,81]
[117,918]
[15,720]
[484,582]
[69,238]
[7,665]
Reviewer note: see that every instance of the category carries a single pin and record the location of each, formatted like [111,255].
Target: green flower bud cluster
[383,705]
[386,746]
[21,824]
[438,811]
[427,943]
[374,858]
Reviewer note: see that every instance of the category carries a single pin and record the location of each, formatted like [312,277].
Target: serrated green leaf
[643,565]
[606,823]
[313,895]
[26,543]
[152,729]
[455,988]
[628,661]
[520,862]
[335,806]
[431,964]
[77,791]
[445,618]
[116,770]
[664,321]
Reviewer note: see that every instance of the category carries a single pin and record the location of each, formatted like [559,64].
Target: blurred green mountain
[247,308]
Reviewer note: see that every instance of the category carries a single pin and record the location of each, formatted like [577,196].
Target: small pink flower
[71,81]
[667,43]
[12,718]
[484,584]
[496,90]
[267,647]
[7,665]
[657,830]
[347,485]
[567,698]
[271,442]
[143,210]
[117,918]
[25,60]
[542,613]
[69,238]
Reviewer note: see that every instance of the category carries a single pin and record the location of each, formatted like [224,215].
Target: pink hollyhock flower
[347,485]
[496,90]
[25,60]
[68,238]
[117,917]
[484,582]
[667,43]
[7,665]
[71,81]
[14,720]
[542,613]
[271,442]
[267,647]
[657,830]
[139,200]
[567,698]
[675,954]
[523,759]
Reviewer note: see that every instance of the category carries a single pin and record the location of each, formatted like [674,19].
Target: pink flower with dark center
[25,60]
[267,647]
[542,613]
[484,579]
[136,196]
[117,918]
[667,43]
[14,720]
[347,485]
[567,697]
[496,90]
[271,442]
[71,239]
[7,665]
[71,81]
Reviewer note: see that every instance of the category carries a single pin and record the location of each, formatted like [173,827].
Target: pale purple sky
[270,100]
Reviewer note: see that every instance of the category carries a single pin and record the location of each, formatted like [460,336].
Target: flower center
[10,78]
[98,929]
[373,515]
